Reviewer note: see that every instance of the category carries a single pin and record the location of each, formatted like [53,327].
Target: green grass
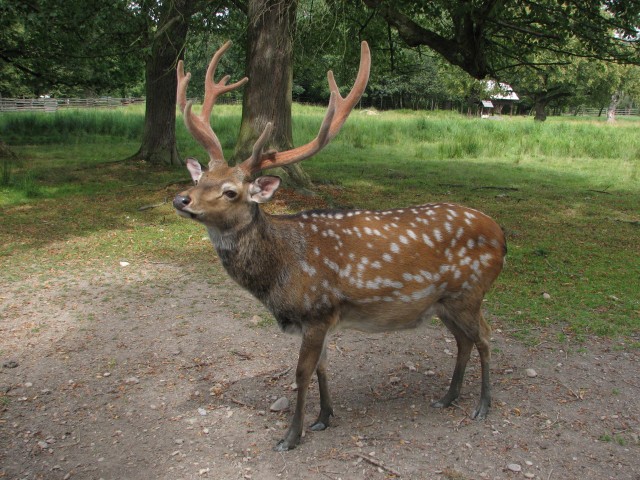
[567,192]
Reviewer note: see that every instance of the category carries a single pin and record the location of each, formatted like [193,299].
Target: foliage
[47,46]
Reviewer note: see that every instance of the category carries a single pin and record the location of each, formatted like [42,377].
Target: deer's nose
[181,201]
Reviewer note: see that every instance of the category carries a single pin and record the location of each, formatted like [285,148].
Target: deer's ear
[195,169]
[263,188]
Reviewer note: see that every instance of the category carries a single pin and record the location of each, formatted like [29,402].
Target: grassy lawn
[567,192]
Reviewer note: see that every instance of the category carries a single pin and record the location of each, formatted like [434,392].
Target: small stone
[10,364]
[205,431]
[178,441]
[203,471]
[132,380]
[531,373]
[255,320]
[529,475]
[429,373]
[394,380]
[546,296]
[508,370]
[514,467]
[124,264]
[280,405]
[106,374]
[42,444]
[528,463]
[294,386]
[411,366]
[28,384]
[202,411]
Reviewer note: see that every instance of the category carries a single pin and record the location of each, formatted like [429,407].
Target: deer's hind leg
[469,328]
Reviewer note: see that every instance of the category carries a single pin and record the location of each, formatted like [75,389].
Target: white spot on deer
[376,217]
[444,268]
[462,252]
[448,254]
[459,232]
[314,227]
[475,266]
[394,247]
[456,273]
[412,234]
[332,265]
[471,243]
[466,285]
[372,285]
[468,222]
[427,275]
[424,293]
[367,230]
[376,232]
[387,258]
[357,230]
[352,256]
[369,245]
[465,261]
[301,224]
[305,216]
[484,259]
[368,219]
[395,225]
[494,243]
[349,214]
[386,227]
[481,240]
[427,240]
[447,227]
[404,239]
[377,265]
[346,271]
[437,234]
[390,283]
[308,269]
[316,250]
[469,215]
[453,213]
[338,216]
[412,225]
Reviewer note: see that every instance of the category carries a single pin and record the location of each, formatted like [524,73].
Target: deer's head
[222,194]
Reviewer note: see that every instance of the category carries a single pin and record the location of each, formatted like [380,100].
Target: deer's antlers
[198,125]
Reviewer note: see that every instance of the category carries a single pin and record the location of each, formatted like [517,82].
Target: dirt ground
[160,371]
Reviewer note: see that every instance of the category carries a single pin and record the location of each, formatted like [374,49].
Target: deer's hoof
[284,446]
[318,426]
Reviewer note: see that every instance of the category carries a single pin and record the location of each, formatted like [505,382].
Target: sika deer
[320,270]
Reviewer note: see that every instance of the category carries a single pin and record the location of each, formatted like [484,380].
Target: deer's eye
[230,194]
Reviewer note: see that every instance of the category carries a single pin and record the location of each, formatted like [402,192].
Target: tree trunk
[159,133]
[540,109]
[611,110]
[267,96]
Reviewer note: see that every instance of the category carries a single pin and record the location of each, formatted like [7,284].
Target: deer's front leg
[311,349]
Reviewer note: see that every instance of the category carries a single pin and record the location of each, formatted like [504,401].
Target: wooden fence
[594,112]
[55,104]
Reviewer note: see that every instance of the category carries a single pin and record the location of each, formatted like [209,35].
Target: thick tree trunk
[159,133]
[611,110]
[540,108]
[267,96]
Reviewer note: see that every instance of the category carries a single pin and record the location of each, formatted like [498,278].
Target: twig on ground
[378,463]
[240,402]
[491,187]
[154,205]
[281,374]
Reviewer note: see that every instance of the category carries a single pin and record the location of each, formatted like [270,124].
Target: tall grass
[70,126]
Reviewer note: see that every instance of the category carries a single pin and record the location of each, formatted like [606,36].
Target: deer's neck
[254,252]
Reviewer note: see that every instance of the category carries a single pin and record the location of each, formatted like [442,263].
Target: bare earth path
[159,371]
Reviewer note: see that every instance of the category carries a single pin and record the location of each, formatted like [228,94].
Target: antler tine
[198,125]
[337,113]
